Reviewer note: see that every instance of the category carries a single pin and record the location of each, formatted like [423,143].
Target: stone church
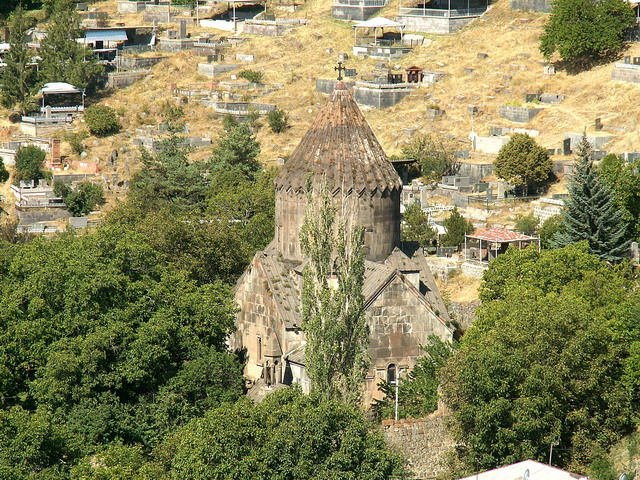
[339,152]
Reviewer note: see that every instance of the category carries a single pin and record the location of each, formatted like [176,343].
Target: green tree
[416,227]
[34,445]
[121,346]
[457,227]
[63,58]
[527,224]
[18,78]
[333,319]
[623,178]
[435,157]
[84,198]
[522,162]
[541,364]
[418,391]
[29,163]
[278,120]
[4,173]
[287,435]
[584,31]
[591,213]
[101,120]
[238,146]
[550,228]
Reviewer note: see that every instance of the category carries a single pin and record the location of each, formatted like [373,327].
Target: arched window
[391,373]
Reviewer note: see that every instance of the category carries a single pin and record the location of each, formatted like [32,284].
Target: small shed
[485,244]
[375,24]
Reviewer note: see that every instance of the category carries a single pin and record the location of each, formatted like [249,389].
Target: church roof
[341,151]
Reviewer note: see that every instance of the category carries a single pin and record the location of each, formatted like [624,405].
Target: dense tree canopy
[522,162]
[623,178]
[583,31]
[543,363]
[287,436]
[29,163]
[457,227]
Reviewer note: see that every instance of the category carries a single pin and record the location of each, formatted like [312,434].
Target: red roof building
[485,244]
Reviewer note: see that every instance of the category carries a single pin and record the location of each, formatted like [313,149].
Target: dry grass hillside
[513,68]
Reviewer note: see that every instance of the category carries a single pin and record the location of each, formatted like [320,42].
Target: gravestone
[549,70]
[566,146]
[598,124]
[636,60]
[483,56]
[47,111]
[183,29]
[627,59]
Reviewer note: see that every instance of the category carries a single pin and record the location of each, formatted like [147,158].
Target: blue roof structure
[106,35]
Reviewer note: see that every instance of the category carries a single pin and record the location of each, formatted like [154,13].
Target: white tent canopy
[53,88]
[378,22]
[375,23]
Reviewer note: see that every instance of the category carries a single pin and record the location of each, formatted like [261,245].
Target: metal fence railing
[362,3]
[439,12]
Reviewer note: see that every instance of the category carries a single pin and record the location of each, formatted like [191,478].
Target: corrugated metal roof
[106,35]
[499,235]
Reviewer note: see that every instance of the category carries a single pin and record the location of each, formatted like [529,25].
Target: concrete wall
[213,69]
[379,214]
[379,97]
[475,171]
[136,63]
[433,24]
[488,144]
[347,12]
[626,73]
[124,79]
[422,442]
[130,7]
[328,86]
[543,6]
[518,114]
[175,45]
[267,30]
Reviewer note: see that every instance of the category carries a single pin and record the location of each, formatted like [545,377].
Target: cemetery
[629,71]
[441,16]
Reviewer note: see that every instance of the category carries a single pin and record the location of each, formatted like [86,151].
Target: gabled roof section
[340,151]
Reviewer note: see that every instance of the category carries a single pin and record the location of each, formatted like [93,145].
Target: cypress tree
[18,78]
[591,213]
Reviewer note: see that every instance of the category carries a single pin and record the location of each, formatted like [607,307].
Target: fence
[361,3]
[438,12]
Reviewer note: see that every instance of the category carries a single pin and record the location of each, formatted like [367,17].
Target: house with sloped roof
[341,155]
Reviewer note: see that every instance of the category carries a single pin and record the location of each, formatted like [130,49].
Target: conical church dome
[340,152]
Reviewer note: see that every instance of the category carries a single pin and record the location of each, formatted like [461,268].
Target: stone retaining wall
[422,442]
[124,79]
[518,114]
[543,6]
[433,24]
[626,73]
[352,12]
[213,69]
[137,63]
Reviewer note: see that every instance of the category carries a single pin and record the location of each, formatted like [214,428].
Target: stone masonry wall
[543,6]
[626,73]
[423,443]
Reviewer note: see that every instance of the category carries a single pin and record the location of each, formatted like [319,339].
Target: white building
[518,471]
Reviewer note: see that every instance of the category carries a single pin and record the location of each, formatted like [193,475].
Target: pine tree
[63,58]
[18,78]
[333,317]
[591,213]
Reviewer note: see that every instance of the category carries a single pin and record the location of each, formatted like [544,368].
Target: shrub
[29,162]
[252,76]
[75,139]
[83,199]
[278,120]
[523,162]
[4,174]
[102,120]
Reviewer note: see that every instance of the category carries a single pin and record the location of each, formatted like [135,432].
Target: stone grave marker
[483,56]
[598,124]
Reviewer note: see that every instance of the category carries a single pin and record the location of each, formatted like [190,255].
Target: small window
[391,373]
[259,349]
